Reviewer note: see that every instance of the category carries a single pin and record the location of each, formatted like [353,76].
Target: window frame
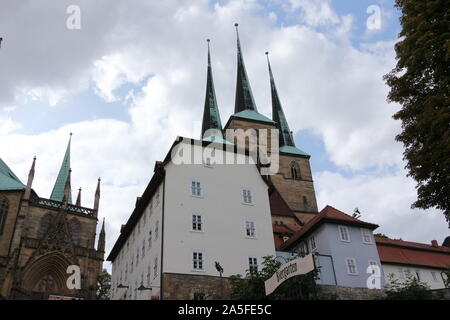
[347,232]
[366,232]
[197,223]
[196,260]
[252,228]
[249,196]
[251,264]
[356,273]
[198,186]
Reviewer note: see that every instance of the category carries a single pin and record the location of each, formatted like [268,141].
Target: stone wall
[349,293]
[185,286]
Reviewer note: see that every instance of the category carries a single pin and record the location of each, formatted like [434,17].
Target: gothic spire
[101,238]
[211,116]
[78,202]
[97,198]
[244,97]
[30,180]
[285,134]
[62,179]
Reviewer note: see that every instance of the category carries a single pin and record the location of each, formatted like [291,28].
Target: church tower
[294,179]
[293,182]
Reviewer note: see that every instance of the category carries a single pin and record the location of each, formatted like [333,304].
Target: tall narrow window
[196,188]
[295,170]
[74,228]
[366,236]
[156,229]
[148,275]
[143,248]
[253,264]
[197,260]
[343,234]
[250,229]
[149,239]
[351,266]
[247,196]
[312,243]
[155,268]
[4,206]
[45,225]
[196,222]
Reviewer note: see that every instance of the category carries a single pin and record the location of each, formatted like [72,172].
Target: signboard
[288,270]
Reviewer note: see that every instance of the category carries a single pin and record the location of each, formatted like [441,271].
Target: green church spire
[278,116]
[211,116]
[244,97]
[63,178]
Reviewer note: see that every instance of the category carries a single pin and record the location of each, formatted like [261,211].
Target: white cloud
[384,200]
[326,85]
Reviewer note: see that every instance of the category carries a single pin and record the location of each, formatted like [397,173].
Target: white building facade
[190,217]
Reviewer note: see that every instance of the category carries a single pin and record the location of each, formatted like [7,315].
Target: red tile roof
[412,253]
[286,228]
[328,214]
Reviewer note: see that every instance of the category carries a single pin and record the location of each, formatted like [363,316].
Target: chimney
[434,243]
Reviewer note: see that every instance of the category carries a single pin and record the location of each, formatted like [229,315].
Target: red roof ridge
[410,244]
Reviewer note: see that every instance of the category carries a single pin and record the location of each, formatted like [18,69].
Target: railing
[52,204]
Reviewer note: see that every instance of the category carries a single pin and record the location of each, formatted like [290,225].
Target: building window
[295,170]
[247,196]
[74,227]
[45,225]
[344,234]
[417,274]
[312,243]
[253,264]
[4,206]
[401,273]
[250,229]
[374,264]
[148,275]
[196,222]
[149,239]
[305,201]
[155,268]
[156,230]
[433,275]
[366,236]
[196,189]
[351,266]
[197,260]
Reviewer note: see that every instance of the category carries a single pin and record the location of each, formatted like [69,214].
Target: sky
[132,77]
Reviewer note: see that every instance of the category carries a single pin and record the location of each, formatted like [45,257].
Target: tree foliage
[420,84]
[409,289]
[251,287]
[104,286]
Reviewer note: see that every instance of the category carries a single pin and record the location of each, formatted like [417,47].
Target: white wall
[223,237]
[147,222]
[425,274]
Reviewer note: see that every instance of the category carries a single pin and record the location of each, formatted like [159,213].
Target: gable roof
[328,214]
[412,253]
[8,180]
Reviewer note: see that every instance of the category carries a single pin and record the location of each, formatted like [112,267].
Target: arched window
[4,206]
[45,225]
[74,228]
[295,170]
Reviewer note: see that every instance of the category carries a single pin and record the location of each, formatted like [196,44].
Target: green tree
[104,286]
[420,84]
[251,287]
[409,289]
